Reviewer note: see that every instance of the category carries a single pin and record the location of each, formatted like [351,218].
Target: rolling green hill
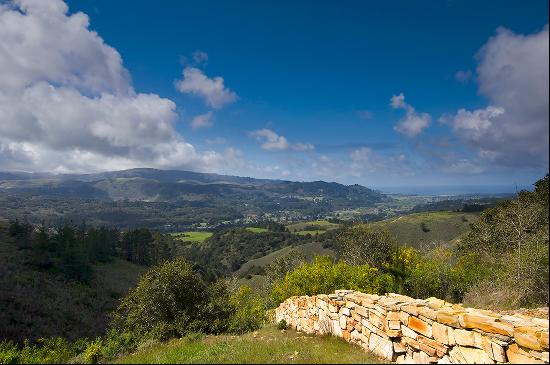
[309,250]
[420,229]
[192,236]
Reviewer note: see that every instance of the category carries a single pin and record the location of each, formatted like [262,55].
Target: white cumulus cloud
[270,140]
[212,90]
[67,103]
[413,123]
[512,73]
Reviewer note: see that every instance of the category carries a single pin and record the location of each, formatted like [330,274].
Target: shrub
[249,311]
[425,227]
[363,244]
[9,352]
[92,354]
[325,276]
[46,351]
[282,325]
[166,302]
[217,312]
[115,343]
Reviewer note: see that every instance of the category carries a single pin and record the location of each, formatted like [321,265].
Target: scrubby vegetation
[501,263]
[325,276]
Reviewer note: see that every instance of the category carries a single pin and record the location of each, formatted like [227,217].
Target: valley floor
[268,345]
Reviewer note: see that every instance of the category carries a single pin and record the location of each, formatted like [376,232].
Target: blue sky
[307,88]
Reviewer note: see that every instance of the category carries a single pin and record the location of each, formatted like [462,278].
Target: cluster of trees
[71,250]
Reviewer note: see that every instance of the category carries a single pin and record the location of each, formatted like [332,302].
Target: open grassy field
[309,250]
[256,229]
[312,227]
[192,236]
[268,345]
[424,228]
[118,276]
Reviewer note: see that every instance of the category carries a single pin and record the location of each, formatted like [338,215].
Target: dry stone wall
[407,330]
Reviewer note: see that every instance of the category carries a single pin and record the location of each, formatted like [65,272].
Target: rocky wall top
[408,330]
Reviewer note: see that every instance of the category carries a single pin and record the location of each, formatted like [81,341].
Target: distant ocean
[454,190]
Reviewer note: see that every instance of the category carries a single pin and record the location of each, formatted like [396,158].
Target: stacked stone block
[406,330]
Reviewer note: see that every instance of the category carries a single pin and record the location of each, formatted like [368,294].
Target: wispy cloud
[203,121]
[364,114]
[272,141]
[463,76]
[211,90]
[413,123]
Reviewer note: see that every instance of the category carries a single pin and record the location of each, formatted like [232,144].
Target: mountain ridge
[175,194]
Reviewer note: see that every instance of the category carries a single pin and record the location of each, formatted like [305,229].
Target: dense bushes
[171,300]
[46,351]
[325,276]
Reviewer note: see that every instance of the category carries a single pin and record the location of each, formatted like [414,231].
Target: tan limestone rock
[441,333]
[404,317]
[381,347]
[475,356]
[517,355]
[420,326]
[336,330]
[343,322]
[543,339]
[410,342]
[406,331]
[499,354]
[410,309]
[362,311]
[464,338]
[435,303]
[394,325]
[449,317]
[456,356]
[427,349]
[401,359]
[539,355]
[428,313]
[399,347]
[420,357]
[346,335]
[392,316]
[433,344]
[487,324]
[393,333]
[528,337]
